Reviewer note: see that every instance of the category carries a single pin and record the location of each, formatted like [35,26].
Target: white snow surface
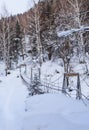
[12,96]
[71,31]
[18,111]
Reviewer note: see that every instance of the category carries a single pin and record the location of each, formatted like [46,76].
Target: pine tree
[17,48]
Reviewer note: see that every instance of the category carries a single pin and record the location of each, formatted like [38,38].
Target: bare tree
[34,30]
[5,37]
[76,6]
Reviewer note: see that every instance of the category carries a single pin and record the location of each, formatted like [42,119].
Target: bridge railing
[47,87]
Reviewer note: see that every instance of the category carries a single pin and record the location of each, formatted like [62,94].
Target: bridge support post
[78,87]
[78,93]
[64,85]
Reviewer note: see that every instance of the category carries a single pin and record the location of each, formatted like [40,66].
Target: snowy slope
[12,106]
[40,112]
[54,112]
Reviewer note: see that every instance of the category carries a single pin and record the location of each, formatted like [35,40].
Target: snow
[19,111]
[55,111]
[12,105]
[73,30]
[2,69]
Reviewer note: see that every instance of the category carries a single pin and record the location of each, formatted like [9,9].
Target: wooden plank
[71,74]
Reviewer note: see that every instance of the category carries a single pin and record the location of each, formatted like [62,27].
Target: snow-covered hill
[12,96]
[55,112]
[18,111]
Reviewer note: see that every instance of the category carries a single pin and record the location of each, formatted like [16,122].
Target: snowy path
[12,102]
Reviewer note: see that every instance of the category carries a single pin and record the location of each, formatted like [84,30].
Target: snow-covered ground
[56,112]
[12,102]
[18,111]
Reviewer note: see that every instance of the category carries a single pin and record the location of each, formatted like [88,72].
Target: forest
[44,66]
[52,29]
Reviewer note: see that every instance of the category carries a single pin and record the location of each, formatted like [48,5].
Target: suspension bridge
[36,85]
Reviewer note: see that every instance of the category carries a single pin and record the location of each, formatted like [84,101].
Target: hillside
[56,16]
[40,112]
[45,20]
[44,67]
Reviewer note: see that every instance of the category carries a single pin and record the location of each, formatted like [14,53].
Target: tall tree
[34,31]
[5,37]
[76,6]
[17,47]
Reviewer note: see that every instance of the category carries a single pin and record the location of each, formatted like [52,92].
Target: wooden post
[78,93]
[39,73]
[31,74]
[6,72]
[20,70]
[78,88]
[25,69]
[64,85]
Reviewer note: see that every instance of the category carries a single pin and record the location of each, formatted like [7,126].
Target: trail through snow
[12,102]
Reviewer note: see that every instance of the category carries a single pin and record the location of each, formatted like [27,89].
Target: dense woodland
[41,25]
